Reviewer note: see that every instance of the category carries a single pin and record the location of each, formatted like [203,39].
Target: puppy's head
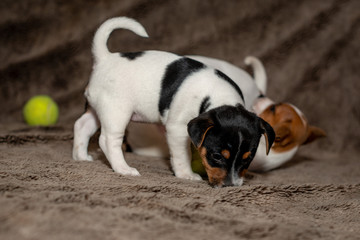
[227,138]
[289,123]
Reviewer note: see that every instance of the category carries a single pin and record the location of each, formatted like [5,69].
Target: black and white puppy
[185,95]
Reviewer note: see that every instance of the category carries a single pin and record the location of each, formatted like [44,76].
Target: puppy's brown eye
[278,139]
[272,108]
[216,156]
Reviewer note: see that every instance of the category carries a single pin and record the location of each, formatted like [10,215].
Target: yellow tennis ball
[41,110]
[196,162]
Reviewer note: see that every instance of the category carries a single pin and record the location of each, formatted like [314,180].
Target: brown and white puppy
[292,130]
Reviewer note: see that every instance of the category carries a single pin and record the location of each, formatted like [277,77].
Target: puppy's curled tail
[259,72]
[100,49]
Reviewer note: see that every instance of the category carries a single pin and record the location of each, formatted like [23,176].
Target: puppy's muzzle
[219,177]
[229,181]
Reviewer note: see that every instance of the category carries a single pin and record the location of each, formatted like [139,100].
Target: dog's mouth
[228,181]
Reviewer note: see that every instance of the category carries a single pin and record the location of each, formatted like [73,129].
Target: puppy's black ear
[198,127]
[269,134]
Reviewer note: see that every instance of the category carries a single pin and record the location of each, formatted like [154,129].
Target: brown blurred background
[310,49]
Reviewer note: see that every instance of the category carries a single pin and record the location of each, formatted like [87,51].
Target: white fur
[120,90]
[264,162]
[261,104]
[259,73]
[100,49]
[84,128]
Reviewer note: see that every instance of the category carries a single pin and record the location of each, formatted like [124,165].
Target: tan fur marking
[246,155]
[225,153]
[203,136]
[216,175]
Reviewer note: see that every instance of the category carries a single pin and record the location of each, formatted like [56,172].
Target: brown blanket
[311,51]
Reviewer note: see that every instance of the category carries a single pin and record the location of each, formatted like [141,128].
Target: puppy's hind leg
[179,145]
[113,125]
[84,128]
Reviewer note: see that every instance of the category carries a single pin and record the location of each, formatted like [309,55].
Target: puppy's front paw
[82,157]
[189,176]
[129,171]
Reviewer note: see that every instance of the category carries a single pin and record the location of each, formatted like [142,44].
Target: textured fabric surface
[311,52]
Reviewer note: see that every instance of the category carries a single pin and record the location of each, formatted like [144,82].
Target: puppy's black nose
[228,182]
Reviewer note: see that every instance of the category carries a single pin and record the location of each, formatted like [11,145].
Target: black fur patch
[175,74]
[229,80]
[132,55]
[205,104]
